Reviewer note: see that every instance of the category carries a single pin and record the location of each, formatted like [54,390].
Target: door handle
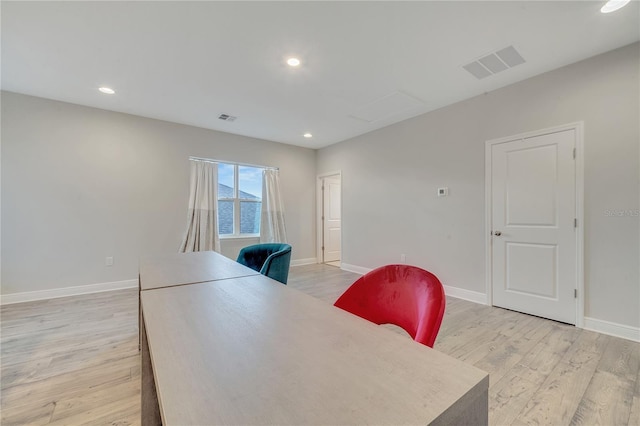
[497,233]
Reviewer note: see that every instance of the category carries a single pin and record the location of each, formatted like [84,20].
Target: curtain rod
[210,160]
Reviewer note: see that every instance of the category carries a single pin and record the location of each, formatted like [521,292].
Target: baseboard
[464,294]
[612,329]
[300,262]
[354,268]
[30,296]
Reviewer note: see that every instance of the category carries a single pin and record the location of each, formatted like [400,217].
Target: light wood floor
[75,360]
[71,361]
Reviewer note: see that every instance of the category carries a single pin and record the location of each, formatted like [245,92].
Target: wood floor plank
[70,384]
[542,359]
[558,398]
[14,374]
[634,415]
[620,357]
[121,413]
[607,401]
[514,349]
[610,396]
[472,341]
[63,349]
[74,360]
[29,414]
[474,350]
[509,395]
[80,405]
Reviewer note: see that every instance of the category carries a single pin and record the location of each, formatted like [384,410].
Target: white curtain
[272,225]
[202,227]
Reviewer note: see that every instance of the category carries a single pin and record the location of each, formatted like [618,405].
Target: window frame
[236,204]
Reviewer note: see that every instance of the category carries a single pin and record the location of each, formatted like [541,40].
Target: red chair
[403,295]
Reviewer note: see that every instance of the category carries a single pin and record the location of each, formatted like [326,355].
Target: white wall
[390,178]
[80,184]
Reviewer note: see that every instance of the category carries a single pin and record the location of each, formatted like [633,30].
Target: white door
[533,210]
[332,223]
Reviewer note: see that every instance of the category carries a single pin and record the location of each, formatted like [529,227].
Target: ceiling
[365,65]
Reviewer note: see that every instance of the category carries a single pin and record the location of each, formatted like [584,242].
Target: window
[239,199]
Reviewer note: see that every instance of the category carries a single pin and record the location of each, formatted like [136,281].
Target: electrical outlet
[403,258]
[108,261]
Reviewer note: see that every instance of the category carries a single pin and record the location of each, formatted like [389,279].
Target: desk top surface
[250,350]
[176,269]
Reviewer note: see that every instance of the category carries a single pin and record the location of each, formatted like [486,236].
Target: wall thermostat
[443,192]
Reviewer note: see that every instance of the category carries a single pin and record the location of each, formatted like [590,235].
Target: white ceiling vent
[495,62]
[227,117]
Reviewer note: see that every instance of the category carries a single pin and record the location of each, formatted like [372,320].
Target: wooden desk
[176,269]
[187,268]
[251,351]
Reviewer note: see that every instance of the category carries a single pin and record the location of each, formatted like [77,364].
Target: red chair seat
[403,295]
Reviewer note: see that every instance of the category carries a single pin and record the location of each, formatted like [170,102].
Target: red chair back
[403,295]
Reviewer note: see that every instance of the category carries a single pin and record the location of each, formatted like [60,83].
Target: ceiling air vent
[495,62]
[227,117]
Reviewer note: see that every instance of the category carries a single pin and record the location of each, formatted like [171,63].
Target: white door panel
[531,269]
[532,214]
[530,192]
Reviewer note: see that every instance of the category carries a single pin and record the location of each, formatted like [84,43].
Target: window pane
[225,217]
[250,217]
[225,180]
[250,183]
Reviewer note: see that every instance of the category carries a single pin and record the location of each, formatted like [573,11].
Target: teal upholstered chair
[270,259]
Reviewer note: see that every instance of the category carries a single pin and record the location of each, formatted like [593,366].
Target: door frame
[578,127]
[319,204]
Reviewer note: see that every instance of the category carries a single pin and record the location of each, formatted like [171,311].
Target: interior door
[332,222]
[534,244]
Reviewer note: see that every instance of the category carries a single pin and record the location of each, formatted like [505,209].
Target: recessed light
[613,5]
[293,62]
[308,135]
[107,90]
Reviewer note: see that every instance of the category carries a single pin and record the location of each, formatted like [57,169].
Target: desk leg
[476,413]
[150,410]
[139,315]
